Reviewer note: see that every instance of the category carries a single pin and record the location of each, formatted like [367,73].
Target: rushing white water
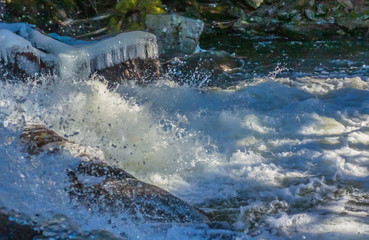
[276,157]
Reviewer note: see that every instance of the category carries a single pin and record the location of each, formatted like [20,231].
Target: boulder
[111,189]
[254,3]
[206,68]
[16,227]
[355,25]
[177,35]
[128,55]
[347,4]
[307,30]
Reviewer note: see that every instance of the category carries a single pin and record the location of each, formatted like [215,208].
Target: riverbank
[288,19]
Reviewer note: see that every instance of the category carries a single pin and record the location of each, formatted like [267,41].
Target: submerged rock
[177,35]
[126,56]
[14,226]
[18,226]
[206,68]
[110,189]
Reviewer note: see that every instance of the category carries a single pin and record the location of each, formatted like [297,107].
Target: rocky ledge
[290,19]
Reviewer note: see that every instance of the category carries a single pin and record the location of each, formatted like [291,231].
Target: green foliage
[131,13]
[47,14]
[68,4]
[114,25]
[143,6]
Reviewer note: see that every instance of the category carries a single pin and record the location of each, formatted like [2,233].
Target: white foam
[270,153]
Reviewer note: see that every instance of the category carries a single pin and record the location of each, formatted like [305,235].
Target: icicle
[83,58]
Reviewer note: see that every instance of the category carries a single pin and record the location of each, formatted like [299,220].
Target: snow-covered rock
[120,53]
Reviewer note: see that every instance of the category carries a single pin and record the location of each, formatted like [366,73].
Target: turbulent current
[278,157]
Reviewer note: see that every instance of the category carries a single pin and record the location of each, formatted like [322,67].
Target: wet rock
[284,15]
[14,226]
[18,226]
[346,3]
[104,188]
[128,195]
[310,14]
[354,25]
[209,68]
[267,26]
[136,69]
[304,30]
[254,3]
[320,9]
[296,18]
[176,35]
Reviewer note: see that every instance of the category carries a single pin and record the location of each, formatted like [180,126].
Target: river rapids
[278,156]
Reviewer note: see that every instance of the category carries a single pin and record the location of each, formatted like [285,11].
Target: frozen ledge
[24,48]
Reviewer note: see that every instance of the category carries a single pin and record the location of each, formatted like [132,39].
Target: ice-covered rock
[2,11]
[177,35]
[19,53]
[120,54]
[104,188]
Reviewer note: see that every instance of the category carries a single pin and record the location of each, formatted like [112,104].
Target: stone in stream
[307,30]
[207,68]
[114,190]
[177,35]
[131,55]
[14,226]
[18,226]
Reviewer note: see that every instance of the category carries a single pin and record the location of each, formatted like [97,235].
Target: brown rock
[136,69]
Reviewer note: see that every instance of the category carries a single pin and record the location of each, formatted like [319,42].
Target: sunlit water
[277,157]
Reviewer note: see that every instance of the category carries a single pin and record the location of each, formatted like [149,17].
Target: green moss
[353,15]
[132,12]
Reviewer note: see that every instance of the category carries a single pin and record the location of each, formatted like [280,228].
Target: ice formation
[80,58]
